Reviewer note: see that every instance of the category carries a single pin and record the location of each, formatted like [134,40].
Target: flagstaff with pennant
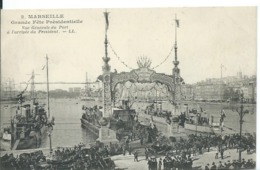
[176,70]
[107,101]
[48,97]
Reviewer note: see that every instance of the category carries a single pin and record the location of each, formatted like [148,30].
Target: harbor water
[67,129]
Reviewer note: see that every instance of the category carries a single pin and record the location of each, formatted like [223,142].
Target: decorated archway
[143,74]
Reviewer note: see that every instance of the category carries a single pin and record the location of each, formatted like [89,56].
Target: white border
[76,4]
[52,4]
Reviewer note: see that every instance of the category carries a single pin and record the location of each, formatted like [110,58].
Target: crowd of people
[235,164]
[180,156]
[196,143]
[184,163]
[169,163]
[92,114]
[76,158]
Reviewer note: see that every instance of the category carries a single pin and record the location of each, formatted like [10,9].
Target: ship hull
[198,128]
[5,145]
[32,142]
[93,128]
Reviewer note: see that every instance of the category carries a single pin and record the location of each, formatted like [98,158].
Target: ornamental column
[176,70]
[107,101]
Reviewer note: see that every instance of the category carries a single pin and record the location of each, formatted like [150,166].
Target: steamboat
[30,123]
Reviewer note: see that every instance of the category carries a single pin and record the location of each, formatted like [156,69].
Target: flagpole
[48,97]
[175,61]
[175,30]
[106,28]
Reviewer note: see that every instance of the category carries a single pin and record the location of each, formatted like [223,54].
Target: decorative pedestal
[107,135]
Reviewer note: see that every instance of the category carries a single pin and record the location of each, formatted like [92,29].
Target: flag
[177,23]
[43,67]
[106,18]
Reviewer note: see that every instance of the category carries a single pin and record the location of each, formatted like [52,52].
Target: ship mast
[221,107]
[32,88]
[86,87]
[48,98]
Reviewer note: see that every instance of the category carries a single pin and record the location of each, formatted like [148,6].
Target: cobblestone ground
[127,161]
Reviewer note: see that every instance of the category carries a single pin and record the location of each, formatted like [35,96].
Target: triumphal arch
[142,74]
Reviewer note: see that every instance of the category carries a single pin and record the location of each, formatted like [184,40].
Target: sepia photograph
[129,88]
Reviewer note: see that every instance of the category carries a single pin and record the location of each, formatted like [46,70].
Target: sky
[207,38]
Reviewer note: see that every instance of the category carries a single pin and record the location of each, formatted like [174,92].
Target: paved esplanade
[127,161]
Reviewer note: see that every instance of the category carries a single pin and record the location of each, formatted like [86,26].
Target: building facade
[225,89]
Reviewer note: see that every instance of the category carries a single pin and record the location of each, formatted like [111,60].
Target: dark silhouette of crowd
[178,155]
[77,158]
[195,143]
[92,114]
[169,163]
[235,164]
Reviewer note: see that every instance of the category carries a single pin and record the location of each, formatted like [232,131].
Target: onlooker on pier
[136,156]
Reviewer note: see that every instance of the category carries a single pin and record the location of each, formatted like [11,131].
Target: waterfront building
[187,92]
[70,89]
[76,89]
[213,89]
[209,91]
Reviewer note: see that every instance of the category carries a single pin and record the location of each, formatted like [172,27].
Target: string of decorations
[118,56]
[166,58]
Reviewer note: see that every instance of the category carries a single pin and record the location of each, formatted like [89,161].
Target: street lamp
[241,112]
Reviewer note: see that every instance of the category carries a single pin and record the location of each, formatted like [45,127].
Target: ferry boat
[90,98]
[201,122]
[92,117]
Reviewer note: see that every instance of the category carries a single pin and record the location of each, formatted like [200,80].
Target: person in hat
[130,150]
[213,167]
[222,153]
[220,166]
[216,156]
[160,164]
[124,150]
[165,163]
[248,149]
[228,164]
[146,153]
[207,167]
[136,156]
[149,163]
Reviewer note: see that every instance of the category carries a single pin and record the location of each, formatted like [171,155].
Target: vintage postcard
[156,88]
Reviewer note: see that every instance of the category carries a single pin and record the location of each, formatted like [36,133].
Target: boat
[88,98]
[92,118]
[91,92]
[30,123]
[201,122]
[28,129]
